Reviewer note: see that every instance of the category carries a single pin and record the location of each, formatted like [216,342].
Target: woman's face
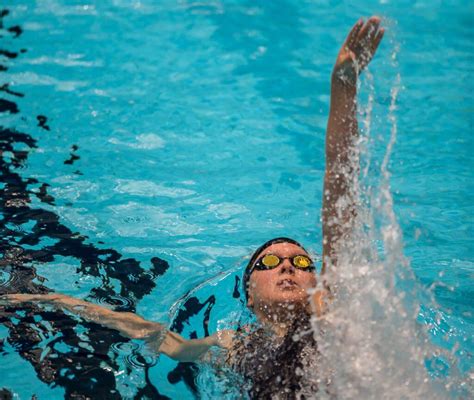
[283,285]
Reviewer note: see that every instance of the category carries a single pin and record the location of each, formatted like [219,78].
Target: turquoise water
[199,128]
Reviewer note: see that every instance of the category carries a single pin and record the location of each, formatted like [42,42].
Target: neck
[278,320]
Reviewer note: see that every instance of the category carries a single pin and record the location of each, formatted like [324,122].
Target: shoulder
[229,344]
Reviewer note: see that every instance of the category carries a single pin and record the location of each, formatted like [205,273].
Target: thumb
[320,301]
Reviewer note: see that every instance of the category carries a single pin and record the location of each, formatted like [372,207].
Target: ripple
[132,354]
[134,219]
[10,281]
[116,301]
[5,278]
[144,141]
[30,78]
[73,60]
[124,348]
[141,360]
[149,189]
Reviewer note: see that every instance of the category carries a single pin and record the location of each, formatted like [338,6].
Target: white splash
[370,341]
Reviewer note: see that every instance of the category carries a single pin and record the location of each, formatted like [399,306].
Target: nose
[287,267]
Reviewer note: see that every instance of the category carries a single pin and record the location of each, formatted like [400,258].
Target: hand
[22,298]
[180,349]
[357,51]
[224,338]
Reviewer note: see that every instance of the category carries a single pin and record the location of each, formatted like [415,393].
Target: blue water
[200,128]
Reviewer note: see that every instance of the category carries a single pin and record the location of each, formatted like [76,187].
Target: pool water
[147,148]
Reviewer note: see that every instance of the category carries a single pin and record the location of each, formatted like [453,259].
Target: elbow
[149,332]
[184,350]
[177,356]
[137,334]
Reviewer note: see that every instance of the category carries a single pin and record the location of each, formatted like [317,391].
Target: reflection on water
[77,356]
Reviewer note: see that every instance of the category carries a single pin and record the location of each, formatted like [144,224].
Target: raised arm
[342,161]
[128,324]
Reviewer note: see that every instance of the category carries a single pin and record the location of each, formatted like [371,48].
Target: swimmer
[280,282]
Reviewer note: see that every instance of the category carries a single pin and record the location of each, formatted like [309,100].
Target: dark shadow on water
[187,372]
[64,351]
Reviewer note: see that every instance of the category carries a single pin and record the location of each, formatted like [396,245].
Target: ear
[250,301]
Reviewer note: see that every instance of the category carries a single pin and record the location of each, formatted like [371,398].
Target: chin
[293,298]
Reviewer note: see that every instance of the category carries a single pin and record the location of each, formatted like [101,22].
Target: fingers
[377,40]
[352,36]
[368,40]
[19,298]
[10,299]
[369,30]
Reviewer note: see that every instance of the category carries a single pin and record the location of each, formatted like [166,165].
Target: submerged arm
[342,163]
[128,324]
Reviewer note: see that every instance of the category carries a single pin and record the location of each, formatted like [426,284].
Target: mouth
[287,284]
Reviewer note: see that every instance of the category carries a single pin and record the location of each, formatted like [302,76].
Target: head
[282,287]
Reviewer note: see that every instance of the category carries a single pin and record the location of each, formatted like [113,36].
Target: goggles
[270,261]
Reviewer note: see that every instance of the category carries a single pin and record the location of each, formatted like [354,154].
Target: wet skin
[284,286]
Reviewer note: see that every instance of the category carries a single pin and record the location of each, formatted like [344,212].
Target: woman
[279,281]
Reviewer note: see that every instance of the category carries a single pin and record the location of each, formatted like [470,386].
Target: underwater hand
[17,298]
[22,298]
[224,338]
[357,51]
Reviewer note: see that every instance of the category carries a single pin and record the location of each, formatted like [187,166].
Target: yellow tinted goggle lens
[301,262]
[270,260]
